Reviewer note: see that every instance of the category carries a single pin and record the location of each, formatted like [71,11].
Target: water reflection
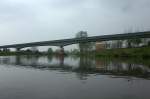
[83,66]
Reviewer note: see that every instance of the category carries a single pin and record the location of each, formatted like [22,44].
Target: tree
[129,43]
[119,43]
[49,51]
[137,41]
[134,42]
[84,46]
[149,43]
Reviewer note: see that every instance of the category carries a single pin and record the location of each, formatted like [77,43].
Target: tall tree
[49,51]
[84,46]
[134,42]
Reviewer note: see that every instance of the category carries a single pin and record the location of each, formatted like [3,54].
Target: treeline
[130,43]
[30,52]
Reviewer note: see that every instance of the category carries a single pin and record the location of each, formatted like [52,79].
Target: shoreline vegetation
[27,53]
[140,52]
[139,55]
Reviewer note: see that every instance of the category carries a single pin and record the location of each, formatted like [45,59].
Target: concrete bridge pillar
[61,60]
[62,50]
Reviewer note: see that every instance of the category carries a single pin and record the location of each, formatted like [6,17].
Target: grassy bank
[143,52]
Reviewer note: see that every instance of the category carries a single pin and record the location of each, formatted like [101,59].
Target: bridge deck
[65,42]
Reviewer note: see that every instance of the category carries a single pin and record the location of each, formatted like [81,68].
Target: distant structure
[114,44]
[100,46]
[122,43]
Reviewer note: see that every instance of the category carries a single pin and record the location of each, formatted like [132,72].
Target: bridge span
[64,42]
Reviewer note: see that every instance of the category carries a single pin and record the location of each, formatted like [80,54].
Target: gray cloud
[37,20]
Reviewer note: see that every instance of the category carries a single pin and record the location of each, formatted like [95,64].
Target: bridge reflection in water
[80,65]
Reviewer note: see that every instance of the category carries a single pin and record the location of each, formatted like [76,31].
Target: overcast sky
[39,20]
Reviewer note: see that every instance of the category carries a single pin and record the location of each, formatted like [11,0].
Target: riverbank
[9,53]
[142,52]
[18,53]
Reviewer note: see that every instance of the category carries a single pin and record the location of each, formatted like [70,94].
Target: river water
[47,77]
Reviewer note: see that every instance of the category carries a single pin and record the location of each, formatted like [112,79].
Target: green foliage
[143,52]
[50,51]
[84,47]
[149,43]
[134,42]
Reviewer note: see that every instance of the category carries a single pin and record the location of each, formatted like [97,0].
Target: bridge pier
[62,50]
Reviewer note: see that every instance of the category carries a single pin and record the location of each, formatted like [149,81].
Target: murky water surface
[32,77]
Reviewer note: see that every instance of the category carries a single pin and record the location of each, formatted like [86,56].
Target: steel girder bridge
[64,42]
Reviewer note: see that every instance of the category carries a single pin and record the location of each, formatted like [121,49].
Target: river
[49,77]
